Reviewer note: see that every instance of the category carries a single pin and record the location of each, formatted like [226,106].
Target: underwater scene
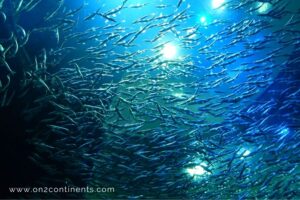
[150,99]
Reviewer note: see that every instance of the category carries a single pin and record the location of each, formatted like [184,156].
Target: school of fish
[105,107]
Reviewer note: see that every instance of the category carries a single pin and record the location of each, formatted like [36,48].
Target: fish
[31,5]
[75,11]
[116,10]
[3,63]
[215,116]
[138,5]
[19,5]
[1,3]
[91,16]
[179,3]
[56,31]
[106,17]
[3,16]
[52,14]
[1,48]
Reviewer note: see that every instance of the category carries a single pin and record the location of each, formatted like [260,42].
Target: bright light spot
[217,3]
[191,30]
[197,170]
[283,133]
[203,19]
[169,51]
[178,95]
[164,65]
[263,7]
[246,153]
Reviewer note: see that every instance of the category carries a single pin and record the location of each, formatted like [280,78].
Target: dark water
[159,99]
